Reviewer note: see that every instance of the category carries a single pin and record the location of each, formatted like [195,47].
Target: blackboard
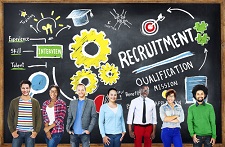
[113,45]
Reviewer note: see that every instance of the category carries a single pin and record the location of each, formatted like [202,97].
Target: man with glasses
[142,114]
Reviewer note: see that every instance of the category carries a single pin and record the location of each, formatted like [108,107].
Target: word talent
[153,48]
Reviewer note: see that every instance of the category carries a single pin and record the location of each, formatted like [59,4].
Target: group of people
[25,119]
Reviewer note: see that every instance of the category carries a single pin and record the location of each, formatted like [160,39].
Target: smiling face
[25,89]
[53,93]
[81,91]
[200,95]
[170,98]
[112,96]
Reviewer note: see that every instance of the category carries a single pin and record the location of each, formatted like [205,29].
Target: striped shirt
[25,122]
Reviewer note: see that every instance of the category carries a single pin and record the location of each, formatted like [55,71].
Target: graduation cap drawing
[80,16]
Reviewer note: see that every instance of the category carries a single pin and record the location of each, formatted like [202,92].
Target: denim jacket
[166,110]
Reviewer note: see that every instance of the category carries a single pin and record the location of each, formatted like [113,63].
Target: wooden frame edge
[1,74]
[222,6]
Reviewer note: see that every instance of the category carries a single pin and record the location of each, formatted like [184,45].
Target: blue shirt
[77,126]
[167,110]
[110,122]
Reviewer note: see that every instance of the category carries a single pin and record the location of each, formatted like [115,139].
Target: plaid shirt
[60,112]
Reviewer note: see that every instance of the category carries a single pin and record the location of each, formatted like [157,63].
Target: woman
[172,115]
[53,111]
[111,121]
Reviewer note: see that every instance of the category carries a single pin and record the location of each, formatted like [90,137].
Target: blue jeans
[23,137]
[76,139]
[203,140]
[171,136]
[56,138]
[114,140]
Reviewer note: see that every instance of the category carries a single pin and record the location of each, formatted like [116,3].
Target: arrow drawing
[31,26]
[38,39]
[68,27]
[205,51]
[45,19]
[169,10]
[160,18]
[45,65]
[28,51]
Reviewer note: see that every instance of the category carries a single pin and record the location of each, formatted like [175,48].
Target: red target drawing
[149,27]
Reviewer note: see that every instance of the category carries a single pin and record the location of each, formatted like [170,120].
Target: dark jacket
[13,115]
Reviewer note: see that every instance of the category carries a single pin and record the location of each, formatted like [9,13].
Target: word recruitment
[153,48]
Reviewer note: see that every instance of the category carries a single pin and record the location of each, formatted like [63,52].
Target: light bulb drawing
[48,25]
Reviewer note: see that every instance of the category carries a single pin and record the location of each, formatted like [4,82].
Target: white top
[136,111]
[51,115]
[114,109]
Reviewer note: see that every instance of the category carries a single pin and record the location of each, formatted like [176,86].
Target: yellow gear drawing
[79,54]
[109,74]
[85,74]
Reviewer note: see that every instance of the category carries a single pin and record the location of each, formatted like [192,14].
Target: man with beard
[201,119]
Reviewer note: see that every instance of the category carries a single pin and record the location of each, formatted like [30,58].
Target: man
[201,119]
[24,117]
[142,113]
[81,118]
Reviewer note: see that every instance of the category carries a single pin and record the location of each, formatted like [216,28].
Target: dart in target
[150,27]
